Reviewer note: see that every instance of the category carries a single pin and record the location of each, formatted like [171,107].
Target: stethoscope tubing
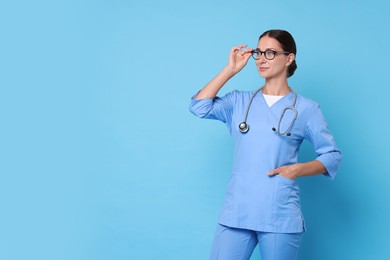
[244,126]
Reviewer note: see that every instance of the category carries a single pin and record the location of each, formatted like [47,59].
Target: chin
[263,74]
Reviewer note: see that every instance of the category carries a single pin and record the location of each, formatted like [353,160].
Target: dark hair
[288,44]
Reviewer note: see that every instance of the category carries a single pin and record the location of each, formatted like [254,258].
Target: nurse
[262,202]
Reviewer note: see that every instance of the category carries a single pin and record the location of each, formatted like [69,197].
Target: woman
[262,204]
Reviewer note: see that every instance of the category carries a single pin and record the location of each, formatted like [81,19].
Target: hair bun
[291,69]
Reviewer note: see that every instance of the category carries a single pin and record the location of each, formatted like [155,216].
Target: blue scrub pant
[238,244]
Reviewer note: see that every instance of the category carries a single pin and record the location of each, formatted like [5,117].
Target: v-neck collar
[274,109]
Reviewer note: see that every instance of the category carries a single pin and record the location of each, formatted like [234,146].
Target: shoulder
[240,93]
[307,103]
[237,95]
[307,108]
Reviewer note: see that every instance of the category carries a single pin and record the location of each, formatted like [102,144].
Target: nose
[262,59]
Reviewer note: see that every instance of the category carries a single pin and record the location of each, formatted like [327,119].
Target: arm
[328,155]
[237,61]
[300,169]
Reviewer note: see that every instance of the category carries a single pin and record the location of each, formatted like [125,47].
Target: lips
[263,68]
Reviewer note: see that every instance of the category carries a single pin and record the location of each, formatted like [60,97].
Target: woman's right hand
[238,58]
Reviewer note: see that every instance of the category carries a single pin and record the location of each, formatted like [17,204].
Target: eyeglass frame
[258,51]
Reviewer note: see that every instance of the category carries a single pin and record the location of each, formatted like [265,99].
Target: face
[276,67]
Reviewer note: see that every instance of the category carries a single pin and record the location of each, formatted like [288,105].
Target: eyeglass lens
[269,54]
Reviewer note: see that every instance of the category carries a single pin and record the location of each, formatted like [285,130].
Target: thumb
[273,172]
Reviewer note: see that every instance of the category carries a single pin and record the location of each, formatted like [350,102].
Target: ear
[290,59]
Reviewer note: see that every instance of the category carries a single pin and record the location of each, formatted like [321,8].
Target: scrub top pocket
[287,201]
[287,189]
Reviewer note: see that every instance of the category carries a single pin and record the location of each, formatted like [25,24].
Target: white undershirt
[271,99]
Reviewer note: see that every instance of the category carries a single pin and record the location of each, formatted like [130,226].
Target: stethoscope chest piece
[244,127]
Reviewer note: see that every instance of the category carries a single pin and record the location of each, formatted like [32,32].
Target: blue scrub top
[253,199]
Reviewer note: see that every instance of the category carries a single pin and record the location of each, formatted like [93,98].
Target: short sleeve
[318,134]
[219,108]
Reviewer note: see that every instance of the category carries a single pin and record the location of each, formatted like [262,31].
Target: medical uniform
[255,201]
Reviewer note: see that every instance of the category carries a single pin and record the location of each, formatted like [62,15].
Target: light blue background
[101,159]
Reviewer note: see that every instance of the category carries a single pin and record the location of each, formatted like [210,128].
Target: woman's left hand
[290,171]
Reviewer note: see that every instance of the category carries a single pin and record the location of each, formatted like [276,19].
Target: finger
[246,53]
[274,172]
[249,50]
[239,47]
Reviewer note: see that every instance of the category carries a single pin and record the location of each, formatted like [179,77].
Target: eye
[270,54]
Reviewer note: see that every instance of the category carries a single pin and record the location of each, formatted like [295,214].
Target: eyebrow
[268,49]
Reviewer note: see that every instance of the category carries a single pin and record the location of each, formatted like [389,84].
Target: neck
[276,87]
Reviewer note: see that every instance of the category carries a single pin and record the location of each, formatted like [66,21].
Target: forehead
[268,43]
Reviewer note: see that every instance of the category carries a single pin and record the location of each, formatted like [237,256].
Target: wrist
[299,169]
[229,71]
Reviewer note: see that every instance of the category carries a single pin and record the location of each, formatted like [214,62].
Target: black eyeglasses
[268,54]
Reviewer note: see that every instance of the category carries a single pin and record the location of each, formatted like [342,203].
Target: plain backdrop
[101,159]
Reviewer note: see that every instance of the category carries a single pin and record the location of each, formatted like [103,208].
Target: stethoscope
[244,127]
